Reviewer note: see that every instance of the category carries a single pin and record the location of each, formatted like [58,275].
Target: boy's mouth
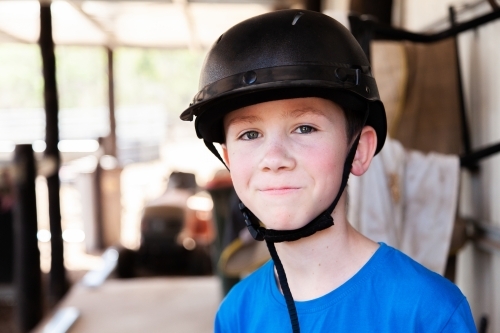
[279,190]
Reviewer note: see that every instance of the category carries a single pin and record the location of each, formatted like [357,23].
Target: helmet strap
[321,222]
[214,151]
[290,303]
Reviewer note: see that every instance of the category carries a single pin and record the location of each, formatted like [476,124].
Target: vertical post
[57,277]
[463,112]
[381,9]
[110,146]
[99,206]
[362,31]
[313,5]
[27,274]
[6,228]
[382,12]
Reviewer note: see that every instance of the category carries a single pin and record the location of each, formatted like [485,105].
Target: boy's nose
[276,157]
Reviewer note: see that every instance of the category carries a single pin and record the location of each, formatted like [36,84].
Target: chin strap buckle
[256,233]
[255,230]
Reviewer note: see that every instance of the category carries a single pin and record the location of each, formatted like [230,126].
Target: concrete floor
[180,305]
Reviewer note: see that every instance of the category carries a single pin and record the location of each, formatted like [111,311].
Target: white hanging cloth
[408,200]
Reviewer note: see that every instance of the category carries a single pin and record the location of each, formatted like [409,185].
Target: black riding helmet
[284,54]
[281,55]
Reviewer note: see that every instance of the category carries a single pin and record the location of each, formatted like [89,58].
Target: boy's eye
[250,135]
[304,129]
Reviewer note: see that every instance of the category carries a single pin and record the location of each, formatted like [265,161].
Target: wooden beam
[110,37]
[110,144]
[57,278]
[27,274]
[193,42]
[14,38]
[381,9]
[110,140]
[315,5]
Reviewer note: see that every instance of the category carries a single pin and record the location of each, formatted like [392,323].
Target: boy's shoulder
[405,294]
[252,285]
[436,304]
[406,275]
[252,290]
[389,270]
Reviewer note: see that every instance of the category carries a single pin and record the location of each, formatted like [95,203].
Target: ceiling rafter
[14,38]
[110,37]
[190,24]
[194,41]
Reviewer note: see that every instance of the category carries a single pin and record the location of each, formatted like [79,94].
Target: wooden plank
[181,305]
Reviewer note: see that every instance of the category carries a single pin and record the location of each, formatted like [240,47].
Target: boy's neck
[318,264]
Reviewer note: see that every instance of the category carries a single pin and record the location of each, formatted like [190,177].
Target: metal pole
[313,5]
[27,274]
[463,112]
[385,32]
[57,277]
[381,9]
[99,206]
[110,147]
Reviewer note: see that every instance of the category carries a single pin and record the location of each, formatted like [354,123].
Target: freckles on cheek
[323,158]
[325,164]
[240,172]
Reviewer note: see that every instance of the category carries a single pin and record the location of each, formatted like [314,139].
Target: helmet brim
[210,115]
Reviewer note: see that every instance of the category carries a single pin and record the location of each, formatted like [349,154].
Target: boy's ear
[225,154]
[366,149]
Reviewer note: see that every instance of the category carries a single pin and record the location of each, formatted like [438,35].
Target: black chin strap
[290,303]
[214,151]
[321,222]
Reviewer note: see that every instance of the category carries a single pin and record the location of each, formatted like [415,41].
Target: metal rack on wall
[366,28]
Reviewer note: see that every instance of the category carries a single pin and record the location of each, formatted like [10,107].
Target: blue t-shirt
[390,293]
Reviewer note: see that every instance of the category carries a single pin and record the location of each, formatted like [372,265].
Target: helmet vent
[296,18]
[218,40]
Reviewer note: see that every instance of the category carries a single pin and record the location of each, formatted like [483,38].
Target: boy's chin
[284,221]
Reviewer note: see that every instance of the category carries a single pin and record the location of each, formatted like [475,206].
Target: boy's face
[286,158]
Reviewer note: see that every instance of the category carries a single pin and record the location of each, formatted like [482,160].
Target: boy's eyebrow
[293,113]
[302,111]
[243,119]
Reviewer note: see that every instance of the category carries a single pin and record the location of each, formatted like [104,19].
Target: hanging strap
[214,151]
[290,304]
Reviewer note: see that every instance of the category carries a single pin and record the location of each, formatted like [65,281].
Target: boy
[290,96]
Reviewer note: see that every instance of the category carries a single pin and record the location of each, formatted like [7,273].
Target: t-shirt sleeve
[461,320]
[224,318]
[219,326]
